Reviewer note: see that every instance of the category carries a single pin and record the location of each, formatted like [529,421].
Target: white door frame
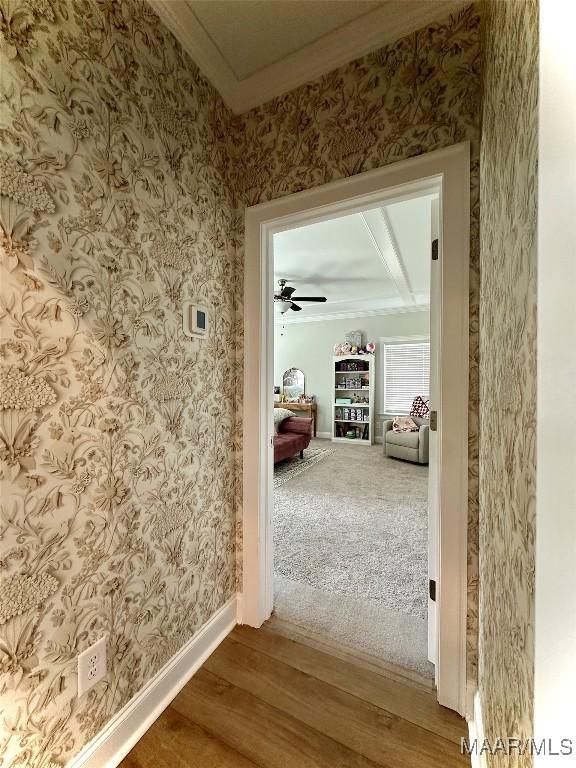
[451,169]
[433,442]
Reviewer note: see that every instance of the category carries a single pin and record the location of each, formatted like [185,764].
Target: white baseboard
[328,436]
[476,731]
[128,725]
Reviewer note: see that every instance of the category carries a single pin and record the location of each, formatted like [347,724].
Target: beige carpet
[350,559]
[290,468]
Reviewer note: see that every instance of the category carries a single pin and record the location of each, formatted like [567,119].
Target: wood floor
[265,700]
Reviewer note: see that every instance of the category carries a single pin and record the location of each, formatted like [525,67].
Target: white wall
[310,346]
[555,657]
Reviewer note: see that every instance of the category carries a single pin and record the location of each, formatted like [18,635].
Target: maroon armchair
[293,437]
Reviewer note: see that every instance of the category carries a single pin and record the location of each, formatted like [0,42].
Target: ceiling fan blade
[287,292]
[309,298]
[295,307]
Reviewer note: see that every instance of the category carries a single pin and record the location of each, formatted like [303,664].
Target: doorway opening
[437,589]
[352,431]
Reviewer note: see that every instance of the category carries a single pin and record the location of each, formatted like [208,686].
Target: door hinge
[432,589]
[433,420]
[435,250]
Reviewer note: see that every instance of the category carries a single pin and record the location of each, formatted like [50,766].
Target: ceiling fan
[284,301]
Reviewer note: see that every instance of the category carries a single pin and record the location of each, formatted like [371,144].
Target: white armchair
[410,446]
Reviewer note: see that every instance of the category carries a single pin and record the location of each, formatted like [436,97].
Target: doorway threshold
[385,641]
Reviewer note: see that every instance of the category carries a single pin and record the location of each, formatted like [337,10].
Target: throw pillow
[404,424]
[279,415]
[420,408]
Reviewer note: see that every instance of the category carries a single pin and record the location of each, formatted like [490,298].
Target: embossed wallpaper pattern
[124,181]
[116,432]
[508,370]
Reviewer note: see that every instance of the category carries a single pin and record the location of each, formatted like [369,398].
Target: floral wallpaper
[416,95]
[123,183]
[117,432]
[508,371]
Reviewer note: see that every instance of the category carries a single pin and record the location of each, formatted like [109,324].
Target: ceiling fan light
[283,306]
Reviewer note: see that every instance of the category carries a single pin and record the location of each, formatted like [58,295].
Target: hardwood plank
[261,732]
[409,702]
[175,742]
[358,658]
[362,727]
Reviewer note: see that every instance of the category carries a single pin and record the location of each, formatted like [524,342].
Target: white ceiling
[369,263]
[252,34]
[254,50]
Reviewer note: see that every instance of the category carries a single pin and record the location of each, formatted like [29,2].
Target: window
[406,375]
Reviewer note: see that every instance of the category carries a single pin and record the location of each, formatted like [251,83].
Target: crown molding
[350,314]
[361,36]
[181,20]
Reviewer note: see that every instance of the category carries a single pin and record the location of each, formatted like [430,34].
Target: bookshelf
[353,420]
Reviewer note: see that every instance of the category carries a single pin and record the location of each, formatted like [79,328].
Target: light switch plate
[91,666]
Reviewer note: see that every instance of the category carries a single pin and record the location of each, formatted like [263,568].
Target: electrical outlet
[91,666]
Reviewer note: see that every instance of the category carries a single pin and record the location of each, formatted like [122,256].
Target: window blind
[406,375]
